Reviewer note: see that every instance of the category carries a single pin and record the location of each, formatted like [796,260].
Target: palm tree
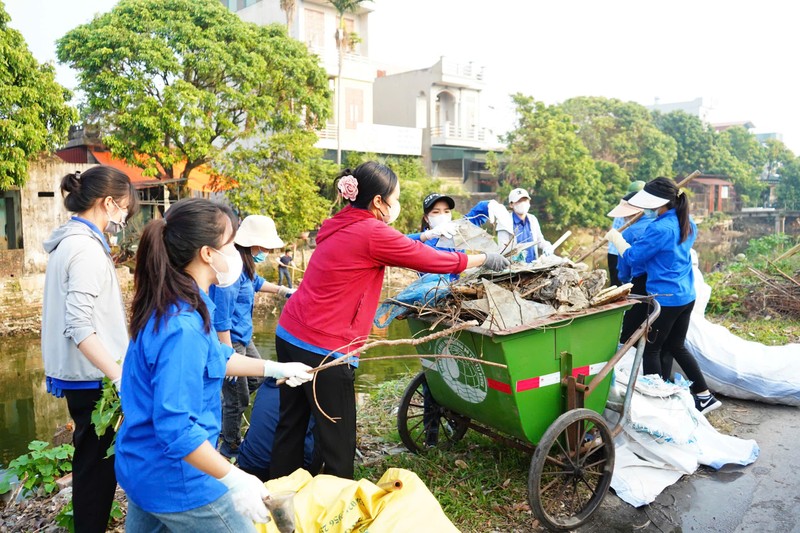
[342,7]
[288,7]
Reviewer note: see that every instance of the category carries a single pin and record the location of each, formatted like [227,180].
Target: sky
[739,56]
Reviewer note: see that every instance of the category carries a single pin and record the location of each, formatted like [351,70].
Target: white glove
[295,373]
[446,230]
[615,238]
[285,291]
[500,217]
[547,248]
[247,493]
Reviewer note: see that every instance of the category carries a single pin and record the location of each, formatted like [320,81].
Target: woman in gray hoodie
[84,332]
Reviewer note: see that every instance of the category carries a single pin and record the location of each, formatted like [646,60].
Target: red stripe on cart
[588,370]
[498,385]
[538,382]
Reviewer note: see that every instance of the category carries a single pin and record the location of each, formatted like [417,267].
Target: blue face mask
[260,257]
[649,213]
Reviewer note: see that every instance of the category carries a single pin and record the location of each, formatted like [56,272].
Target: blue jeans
[216,516]
[284,273]
[235,399]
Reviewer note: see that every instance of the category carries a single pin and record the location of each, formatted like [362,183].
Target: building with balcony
[444,101]
[315,23]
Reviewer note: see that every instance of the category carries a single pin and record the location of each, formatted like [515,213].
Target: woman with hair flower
[331,313]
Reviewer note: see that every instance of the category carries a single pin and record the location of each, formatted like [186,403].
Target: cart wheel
[424,424]
[571,470]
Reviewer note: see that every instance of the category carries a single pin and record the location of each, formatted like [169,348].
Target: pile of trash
[522,294]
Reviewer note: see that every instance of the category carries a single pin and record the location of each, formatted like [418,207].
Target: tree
[546,156]
[622,133]
[789,186]
[342,7]
[694,140]
[742,158]
[277,178]
[182,81]
[288,7]
[34,115]
[415,185]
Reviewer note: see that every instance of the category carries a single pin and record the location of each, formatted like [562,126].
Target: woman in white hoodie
[84,332]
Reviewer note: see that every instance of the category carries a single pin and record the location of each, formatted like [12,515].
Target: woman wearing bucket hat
[619,221]
[233,319]
[663,253]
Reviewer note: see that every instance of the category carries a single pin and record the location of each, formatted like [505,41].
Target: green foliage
[546,156]
[789,186]
[694,141]
[173,81]
[107,413]
[623,133]
[39,469]
[768,247]
[278,178]
[34,115]
[66,516]
[741,157]
[415,185]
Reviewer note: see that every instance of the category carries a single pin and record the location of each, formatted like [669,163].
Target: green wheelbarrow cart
[547,400]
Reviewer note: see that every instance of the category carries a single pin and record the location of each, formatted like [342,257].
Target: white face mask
[394,212]
[115,226]
[435,221]
[234,269]
[522,208]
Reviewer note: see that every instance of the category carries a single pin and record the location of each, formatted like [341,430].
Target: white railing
[466,70]
[375,138]
[450,131]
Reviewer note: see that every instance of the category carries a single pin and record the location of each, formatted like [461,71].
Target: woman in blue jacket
[663,253]
[233,319]
[165,457]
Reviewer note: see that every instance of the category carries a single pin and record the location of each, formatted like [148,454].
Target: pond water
[28,412]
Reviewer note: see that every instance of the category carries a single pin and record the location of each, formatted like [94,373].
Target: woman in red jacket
[332,311]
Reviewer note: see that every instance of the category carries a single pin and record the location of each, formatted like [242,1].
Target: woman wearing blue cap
[663,253]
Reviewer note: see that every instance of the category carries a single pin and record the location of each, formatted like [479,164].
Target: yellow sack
[328,504]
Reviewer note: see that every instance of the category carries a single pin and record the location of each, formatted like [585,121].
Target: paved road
[763,497]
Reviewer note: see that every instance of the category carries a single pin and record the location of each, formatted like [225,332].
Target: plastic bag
[328,504]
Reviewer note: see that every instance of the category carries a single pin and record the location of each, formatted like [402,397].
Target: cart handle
[642,330]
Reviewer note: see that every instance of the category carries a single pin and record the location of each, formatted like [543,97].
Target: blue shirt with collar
[171,400]
[666,261]
[631,235]
[235,307]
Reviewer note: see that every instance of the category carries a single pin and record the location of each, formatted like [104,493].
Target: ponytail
[681,205]
[166,248]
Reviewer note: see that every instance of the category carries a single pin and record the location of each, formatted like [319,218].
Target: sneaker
[706,404]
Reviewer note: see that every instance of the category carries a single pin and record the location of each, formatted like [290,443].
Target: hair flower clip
[348,187]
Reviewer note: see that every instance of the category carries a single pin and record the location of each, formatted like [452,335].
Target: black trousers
[335,393]
[667,342]
[93,479]
[638,313]
[613,277]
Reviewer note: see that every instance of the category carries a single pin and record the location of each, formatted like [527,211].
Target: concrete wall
[42,214]
[396,97]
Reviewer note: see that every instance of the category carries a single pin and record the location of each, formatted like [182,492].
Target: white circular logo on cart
[465,378]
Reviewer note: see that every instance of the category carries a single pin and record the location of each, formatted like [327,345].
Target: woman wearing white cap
[233,318]
[663,253]
[520,224]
